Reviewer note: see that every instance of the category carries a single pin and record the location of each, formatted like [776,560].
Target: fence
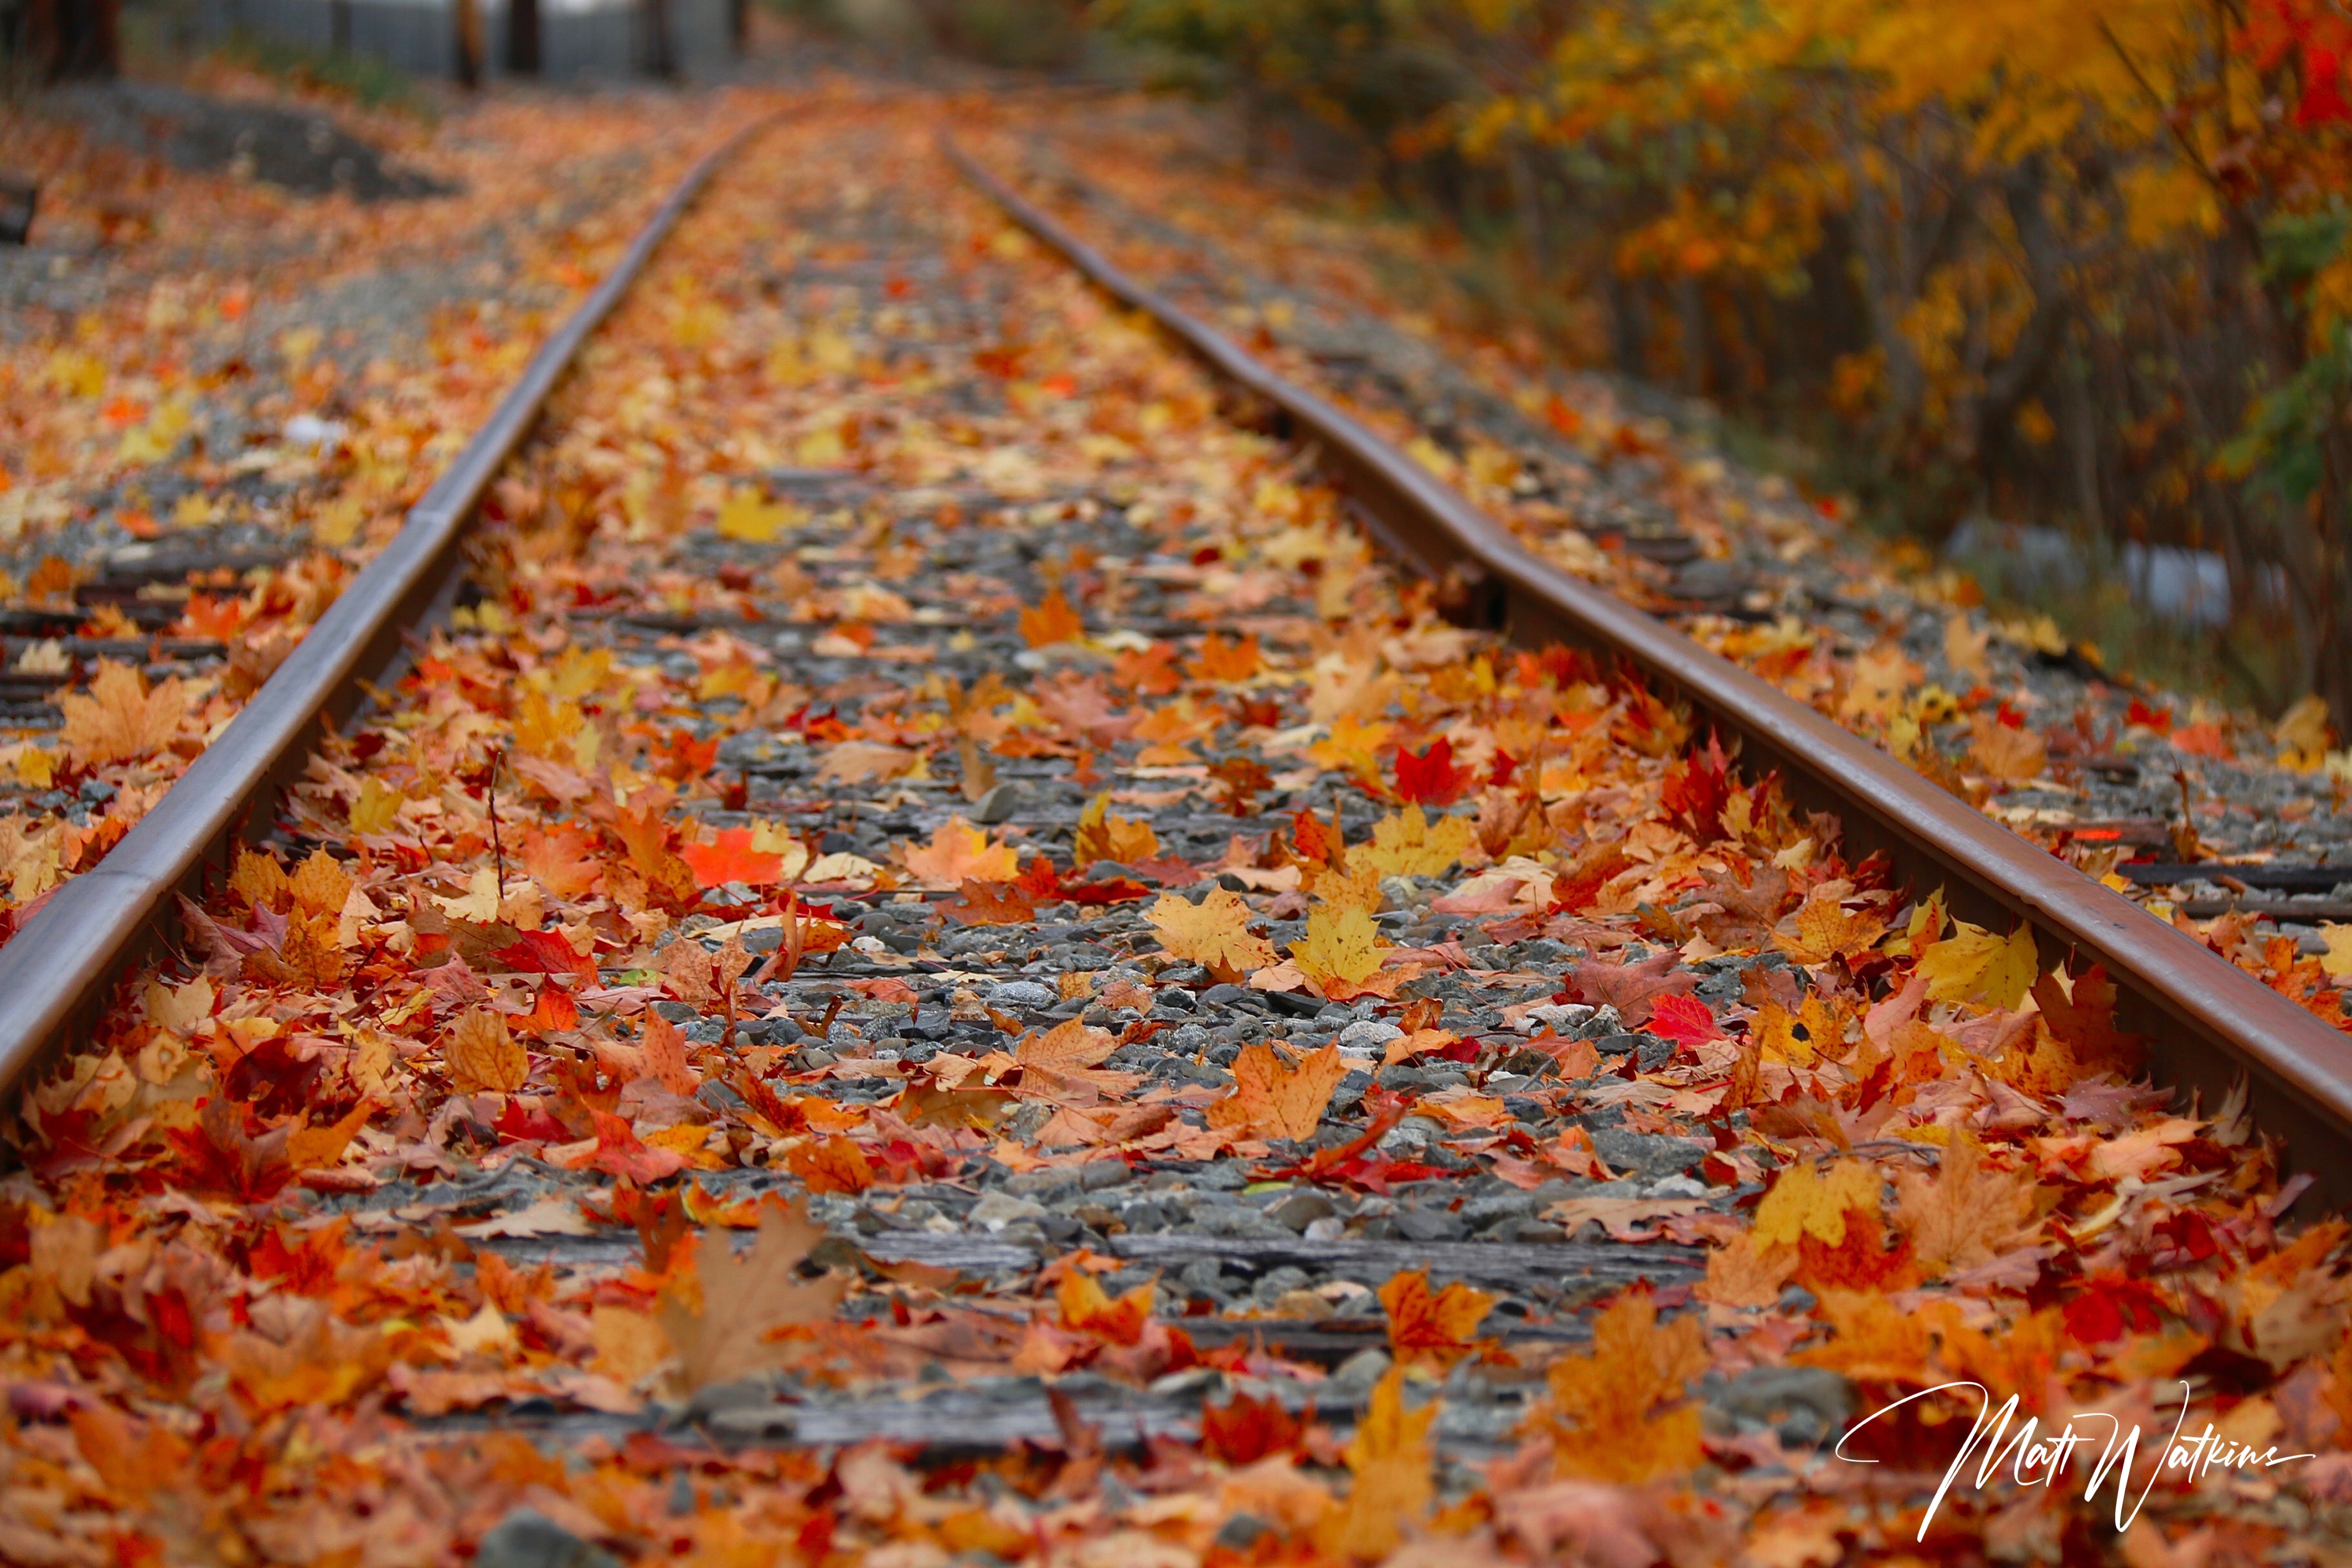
[577,39]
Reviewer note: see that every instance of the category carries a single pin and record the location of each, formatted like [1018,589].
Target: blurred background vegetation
[2080,267]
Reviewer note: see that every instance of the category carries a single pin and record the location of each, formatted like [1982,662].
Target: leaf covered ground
[940,966]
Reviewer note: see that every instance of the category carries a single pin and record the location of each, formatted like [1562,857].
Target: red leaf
[546,953]
[1430,777]
[1683,1020]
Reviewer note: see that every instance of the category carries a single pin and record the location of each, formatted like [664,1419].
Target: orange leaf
[1274,1098]
[832,1166]
[958,853]
[732,859]
[1425,1327]
[1086,1309]
[1226,662]
[1051,622]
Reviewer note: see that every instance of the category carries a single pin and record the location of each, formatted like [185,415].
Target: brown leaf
[1967,1214]
[1632,987]
[745,1299]
[482,1055]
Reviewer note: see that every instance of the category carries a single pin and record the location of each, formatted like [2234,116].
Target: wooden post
[522,37]
[469,18]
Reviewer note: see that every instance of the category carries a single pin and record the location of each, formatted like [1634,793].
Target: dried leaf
[747,1298]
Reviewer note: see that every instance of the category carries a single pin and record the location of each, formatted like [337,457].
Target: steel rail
[2207,1020]
[59,970]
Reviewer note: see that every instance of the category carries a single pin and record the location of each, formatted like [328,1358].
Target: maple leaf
[1632,988]
[561,859]
[1243,1430]
[1226,663]
[856,761]
[1086,1309]
[1341,948]
[1052,621]
[830,1165]
[2003,751]
[1430,777]
[1213,932]
[1743,1273]
[2085,1022]
[1101,836]
[958,853]
[991,904]
[1802,1203]
[309,1148]
[664,1049]
[1407,844]
[1276,1098]
[482,1055]
[749,517]
[1696,791]
[1239,781]
[137,1462]
[1967,1214]
[1616,1414]
[730,857]
[621,1152]
[545,953]
[1974,966]
[120,719]
[1440,1327]
[1750,909]
[1821,929]
[1066,1056]
[1686,1020]
[747,1298]
[1389,1458]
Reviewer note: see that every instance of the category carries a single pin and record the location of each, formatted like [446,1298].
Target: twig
[497,849]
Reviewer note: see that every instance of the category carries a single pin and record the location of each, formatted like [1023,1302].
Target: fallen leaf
[959,852]
[747,1298]
[1213,932]
[1275,1098]
[1617,1412]
[1441,1327]
[122,719]
[482,1055]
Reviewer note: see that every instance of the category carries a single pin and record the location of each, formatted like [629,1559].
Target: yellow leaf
[1964,648]
[482,1055]
[1881,676]
[120,719]
[1974,966]
[1407,844]
[307,1147]
[1389,1458]
[375,809]
[2337,960]
[1215,931]
[1341,943]
[321,884]
[748,517]
[1804,1203]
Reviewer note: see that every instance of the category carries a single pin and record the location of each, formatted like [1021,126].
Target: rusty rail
[2207,1020]
[59,970]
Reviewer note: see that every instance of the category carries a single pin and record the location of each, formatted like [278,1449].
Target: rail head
[2207,1020]
[59,969]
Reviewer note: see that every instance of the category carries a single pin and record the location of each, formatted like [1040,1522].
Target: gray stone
[1024,993]
[1369,1034]
[1647,1154]
[1296,1210]
[997,805]
[528,1539]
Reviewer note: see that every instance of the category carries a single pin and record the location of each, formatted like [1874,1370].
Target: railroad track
[911,768]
